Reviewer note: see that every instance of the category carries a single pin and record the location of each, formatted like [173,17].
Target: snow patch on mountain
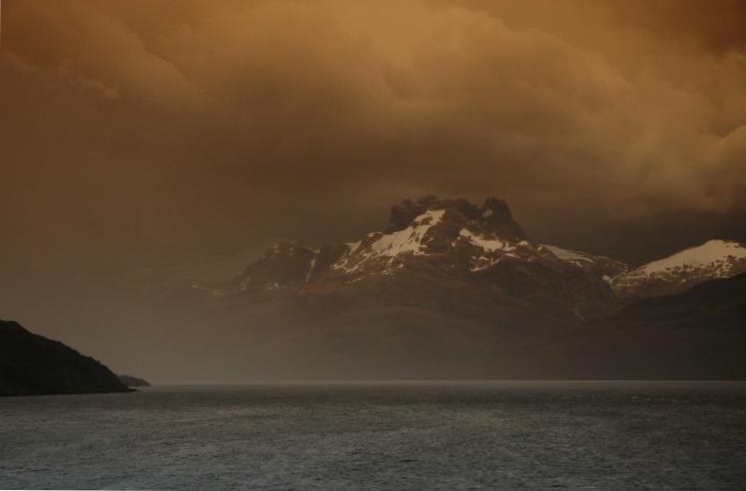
[411,239]
[714,252]
[712,260]
[311,269]
[490,245]
[481,263]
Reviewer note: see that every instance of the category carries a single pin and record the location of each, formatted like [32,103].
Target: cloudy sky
[150,128]
[143,133]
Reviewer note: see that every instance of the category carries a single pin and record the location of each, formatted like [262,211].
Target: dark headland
[33,365]
[131,381]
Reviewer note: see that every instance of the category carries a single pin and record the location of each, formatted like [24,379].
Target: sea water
[401,436]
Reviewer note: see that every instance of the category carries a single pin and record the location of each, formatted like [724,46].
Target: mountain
[681,271]
[31,364]
[435,240]
[447,288]
[451,289]
[697,334]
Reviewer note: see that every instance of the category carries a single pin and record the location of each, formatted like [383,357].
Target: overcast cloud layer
[149,128]
[140,135]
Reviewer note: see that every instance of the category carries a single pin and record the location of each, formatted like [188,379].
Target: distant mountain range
[478,240]
[447,289]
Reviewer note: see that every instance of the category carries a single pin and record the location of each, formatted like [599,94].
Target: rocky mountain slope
[31,364]
[679,272]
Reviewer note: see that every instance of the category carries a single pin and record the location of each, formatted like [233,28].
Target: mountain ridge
[441,291]
[480,237]
[678,272]
[471,238]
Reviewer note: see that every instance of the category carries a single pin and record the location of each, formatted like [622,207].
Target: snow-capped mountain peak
[377,247]
[680,271]
[463,236]
[454,237]
[719,253]
[470,259]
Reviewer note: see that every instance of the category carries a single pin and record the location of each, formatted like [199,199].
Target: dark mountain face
[32,364]
[698,334]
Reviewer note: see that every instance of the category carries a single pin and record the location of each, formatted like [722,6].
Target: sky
[148,135]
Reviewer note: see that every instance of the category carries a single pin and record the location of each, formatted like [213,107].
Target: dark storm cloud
[142,126]
[718,25]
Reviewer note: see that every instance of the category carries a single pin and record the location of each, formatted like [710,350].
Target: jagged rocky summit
[32,365]
[432,241]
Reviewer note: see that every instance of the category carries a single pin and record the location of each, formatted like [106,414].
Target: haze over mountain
[449,289]
[697,334]
[143,143]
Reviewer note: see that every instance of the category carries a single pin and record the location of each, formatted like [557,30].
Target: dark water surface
[428,436]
